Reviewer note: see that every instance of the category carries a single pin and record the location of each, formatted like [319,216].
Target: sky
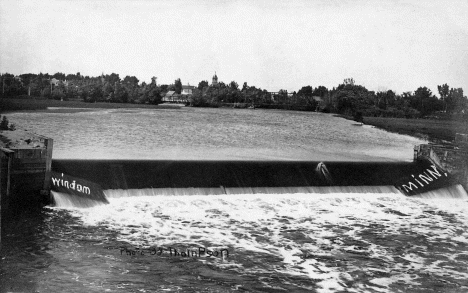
[382,45]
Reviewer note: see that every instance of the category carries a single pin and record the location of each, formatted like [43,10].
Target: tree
[164,88]
[71,92]
[456,102]
[46,93]
[281,97]
[93,93]
[349,97]
[59,76]
[12,85]
[107,91]
[114,78]
[178,86]
[443,91]
[320,91]
[154,95]
[143,93]
[202,84]
[390,97]
[305,91]
[120,94]
[133,93]
[58,93]
[198,99]
[425,102]
[131,80]
[245,87]
[234,86]
[385,99]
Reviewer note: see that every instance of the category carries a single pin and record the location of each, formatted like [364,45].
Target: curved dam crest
[243,177]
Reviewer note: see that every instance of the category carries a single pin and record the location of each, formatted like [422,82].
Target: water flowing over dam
[137,174]
[211,200]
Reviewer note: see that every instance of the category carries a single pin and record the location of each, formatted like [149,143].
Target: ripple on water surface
[197,133]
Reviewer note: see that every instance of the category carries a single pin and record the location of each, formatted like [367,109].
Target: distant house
[54,82]
[17,78]
[187,89]
[320,102]
[318,99]
[169,96]
[172,96]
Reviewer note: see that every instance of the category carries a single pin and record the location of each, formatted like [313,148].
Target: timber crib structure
[453,159]
[25,172]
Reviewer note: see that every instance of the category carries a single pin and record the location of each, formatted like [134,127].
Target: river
[336,242]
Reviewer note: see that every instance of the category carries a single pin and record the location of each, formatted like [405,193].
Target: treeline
[348,98]
[105,88]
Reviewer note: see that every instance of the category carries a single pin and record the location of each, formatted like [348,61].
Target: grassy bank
[434,130]
[9,105]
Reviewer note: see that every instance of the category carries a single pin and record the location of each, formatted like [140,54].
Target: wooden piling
[49,143]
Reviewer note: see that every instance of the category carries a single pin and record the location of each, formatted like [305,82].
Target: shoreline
[8,105]
[435,131]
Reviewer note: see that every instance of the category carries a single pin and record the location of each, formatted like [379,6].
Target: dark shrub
[358,117]
[4,123]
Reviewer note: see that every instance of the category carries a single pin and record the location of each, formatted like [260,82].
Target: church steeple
[215,80]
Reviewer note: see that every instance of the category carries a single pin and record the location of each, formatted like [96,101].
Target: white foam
[298,228]
[69,201]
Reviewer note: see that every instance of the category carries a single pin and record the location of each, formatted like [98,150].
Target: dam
[32,174]
[241,177]
[302,212]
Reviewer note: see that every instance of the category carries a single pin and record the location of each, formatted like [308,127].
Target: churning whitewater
[330,242]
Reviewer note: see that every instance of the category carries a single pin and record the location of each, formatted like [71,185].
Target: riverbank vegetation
[348,98]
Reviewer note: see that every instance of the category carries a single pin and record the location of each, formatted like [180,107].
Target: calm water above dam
[344,242]
[194,133]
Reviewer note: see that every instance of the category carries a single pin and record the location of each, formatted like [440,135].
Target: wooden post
[416,153]
[10,154]
[49,144]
